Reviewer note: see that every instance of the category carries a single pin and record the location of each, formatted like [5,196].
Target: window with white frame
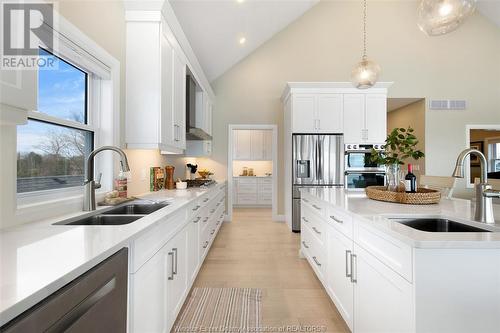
[59,135]
[68,122]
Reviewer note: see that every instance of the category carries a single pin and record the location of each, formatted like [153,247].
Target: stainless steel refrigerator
[318,161]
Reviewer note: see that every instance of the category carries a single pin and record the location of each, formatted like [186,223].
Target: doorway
[252,171]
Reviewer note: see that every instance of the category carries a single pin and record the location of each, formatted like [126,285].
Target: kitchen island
[386,276]
[37,259]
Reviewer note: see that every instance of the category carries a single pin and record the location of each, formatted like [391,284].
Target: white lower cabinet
[160,279]
[339,284]
[370,296]
[383,300]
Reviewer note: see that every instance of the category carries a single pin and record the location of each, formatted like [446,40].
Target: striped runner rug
[231,310]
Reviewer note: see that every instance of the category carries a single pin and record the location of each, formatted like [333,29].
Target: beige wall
[324,45]
[412,115]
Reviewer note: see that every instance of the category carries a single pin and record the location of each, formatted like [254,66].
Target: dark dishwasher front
[94,302]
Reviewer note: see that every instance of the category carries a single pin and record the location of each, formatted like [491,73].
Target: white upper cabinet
[365,118]
[354,114]
[179,88]
[337,107]
[317,113]
[252,145]
[376,118]
[303,110]
[158,61]
[329,113]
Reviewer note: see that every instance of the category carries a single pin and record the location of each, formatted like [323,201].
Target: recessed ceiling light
[242,40]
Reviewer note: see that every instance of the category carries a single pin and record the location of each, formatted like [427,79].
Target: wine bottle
[410,180]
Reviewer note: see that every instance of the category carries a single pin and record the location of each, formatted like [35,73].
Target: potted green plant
[400,145]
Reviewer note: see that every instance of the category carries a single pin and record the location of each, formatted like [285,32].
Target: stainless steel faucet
[484,192]
[90,185]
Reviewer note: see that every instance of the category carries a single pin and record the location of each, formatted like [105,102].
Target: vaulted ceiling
[215,28]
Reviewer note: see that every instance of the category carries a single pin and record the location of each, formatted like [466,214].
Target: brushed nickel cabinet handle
[171,255]
[316,261]
[205,219]
[336,219]
[305,245]
[196,208]
[347,262]
[318,208]
[197,219]
[316,231]
[206,199]
[206,244]
[175,253]
[305,200]
[354,269]
[305,220]
[213,231]
[212,211]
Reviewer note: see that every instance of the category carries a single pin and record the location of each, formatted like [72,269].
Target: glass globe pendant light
[366,72]
[438,17]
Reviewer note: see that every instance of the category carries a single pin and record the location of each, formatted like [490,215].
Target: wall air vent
[446,104]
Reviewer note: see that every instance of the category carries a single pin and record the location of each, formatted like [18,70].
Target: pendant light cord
[364,30]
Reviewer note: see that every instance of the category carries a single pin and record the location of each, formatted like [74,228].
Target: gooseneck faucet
[484,192]
[90,185]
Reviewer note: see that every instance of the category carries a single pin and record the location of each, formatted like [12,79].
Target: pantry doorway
[252,172]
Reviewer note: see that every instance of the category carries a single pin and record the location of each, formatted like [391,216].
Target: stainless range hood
[194,112]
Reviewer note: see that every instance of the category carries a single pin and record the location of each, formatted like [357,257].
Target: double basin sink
[437,225]
[123,214]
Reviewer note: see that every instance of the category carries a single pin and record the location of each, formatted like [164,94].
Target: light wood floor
[253,251]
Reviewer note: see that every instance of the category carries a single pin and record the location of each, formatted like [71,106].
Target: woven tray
[423,196]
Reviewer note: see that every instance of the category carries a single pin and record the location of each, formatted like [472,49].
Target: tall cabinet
[332,108]
[156,69]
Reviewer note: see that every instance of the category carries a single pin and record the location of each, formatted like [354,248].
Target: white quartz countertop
[378,214]
[37,259]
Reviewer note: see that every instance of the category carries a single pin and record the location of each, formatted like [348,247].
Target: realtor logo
[26,26]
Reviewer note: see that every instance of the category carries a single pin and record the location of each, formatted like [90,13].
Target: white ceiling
[214,27]
[490,9]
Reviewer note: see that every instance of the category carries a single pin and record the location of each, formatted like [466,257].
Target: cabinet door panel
[383,300]
[178,285]
[180,101]
[330,113]
[257,145]
[354,118]
[167,110]
[192,248]
[268,145]
[303,113]
[376,117]
[242,145]
[149,295]
[339,283]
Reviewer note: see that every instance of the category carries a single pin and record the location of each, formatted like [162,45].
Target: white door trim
[230,154]
[469,127]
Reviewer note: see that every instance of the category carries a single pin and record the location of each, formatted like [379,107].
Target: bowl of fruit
[205,173]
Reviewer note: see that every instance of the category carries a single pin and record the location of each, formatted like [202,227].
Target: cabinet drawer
[265,181]
[247,181]
[146,245]
[317,227]
[265,188]
[247,188]
[340,221]
[318,207]
[392,252]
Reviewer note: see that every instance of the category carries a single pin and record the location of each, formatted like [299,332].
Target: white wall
[325,44]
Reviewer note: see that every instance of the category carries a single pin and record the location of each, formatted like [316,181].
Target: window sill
[51,208]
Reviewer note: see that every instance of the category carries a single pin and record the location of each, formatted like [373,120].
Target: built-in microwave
[358,157]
